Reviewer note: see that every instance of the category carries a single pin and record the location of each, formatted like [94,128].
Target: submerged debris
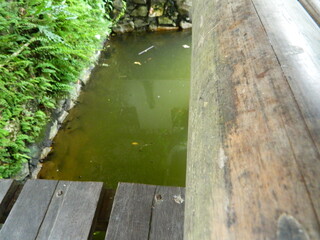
[146,50]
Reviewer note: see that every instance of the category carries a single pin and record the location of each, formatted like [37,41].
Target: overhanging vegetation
[44,47]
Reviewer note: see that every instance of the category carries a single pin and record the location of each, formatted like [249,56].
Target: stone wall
[40,149]
[153,15]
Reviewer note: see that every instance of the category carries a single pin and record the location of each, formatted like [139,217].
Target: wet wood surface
[146,212]
[253,155]
[53,210]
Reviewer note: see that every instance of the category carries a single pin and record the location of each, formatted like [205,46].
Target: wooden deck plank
[244,178]
[147,212]
[72,211]
[296,41]
[131,212]
[28,212]
[7,190]
[167,214]
[52,212]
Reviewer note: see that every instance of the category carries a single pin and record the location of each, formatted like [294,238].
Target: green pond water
[131,121]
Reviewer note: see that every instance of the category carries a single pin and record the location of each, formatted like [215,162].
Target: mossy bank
[45,47]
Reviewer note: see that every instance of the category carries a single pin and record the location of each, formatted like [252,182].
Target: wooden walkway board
[146,212]
[7,190]
[167,213]
[48,210]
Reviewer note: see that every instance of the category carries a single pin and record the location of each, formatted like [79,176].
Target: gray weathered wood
[72,211]
[7,190]
[296,41]
[146,212]
[131,212]
[313,8]
[167,214]
[53,210]
[29,210]
[253,155]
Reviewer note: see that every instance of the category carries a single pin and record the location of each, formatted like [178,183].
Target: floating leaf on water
[105,65]
[137,63]
[185,46]
[134,143]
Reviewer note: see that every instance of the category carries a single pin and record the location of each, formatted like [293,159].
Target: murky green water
[131,122]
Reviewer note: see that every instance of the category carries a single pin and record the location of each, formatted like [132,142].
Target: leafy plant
[122,13]
[44,46]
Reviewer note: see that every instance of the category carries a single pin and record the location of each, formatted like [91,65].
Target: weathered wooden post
[313,7]
[254,124]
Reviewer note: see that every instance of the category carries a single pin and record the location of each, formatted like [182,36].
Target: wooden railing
[254,123]
[313,8]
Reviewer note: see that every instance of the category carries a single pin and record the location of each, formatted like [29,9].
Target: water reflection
[131,124]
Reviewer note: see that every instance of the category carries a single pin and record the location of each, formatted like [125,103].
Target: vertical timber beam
[246,178]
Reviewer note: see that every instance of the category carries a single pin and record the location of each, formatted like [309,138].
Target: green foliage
[121,14]
[44,45]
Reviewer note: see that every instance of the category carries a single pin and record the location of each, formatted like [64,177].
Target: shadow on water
[99,235]
[131,123]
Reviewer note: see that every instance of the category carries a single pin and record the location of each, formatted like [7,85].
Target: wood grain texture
[251,153]
[313,8]
[131,212]
[167,214]
[7,190]
[146,212]
[72,211]
[29,210]
[296,41]
[53,210]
